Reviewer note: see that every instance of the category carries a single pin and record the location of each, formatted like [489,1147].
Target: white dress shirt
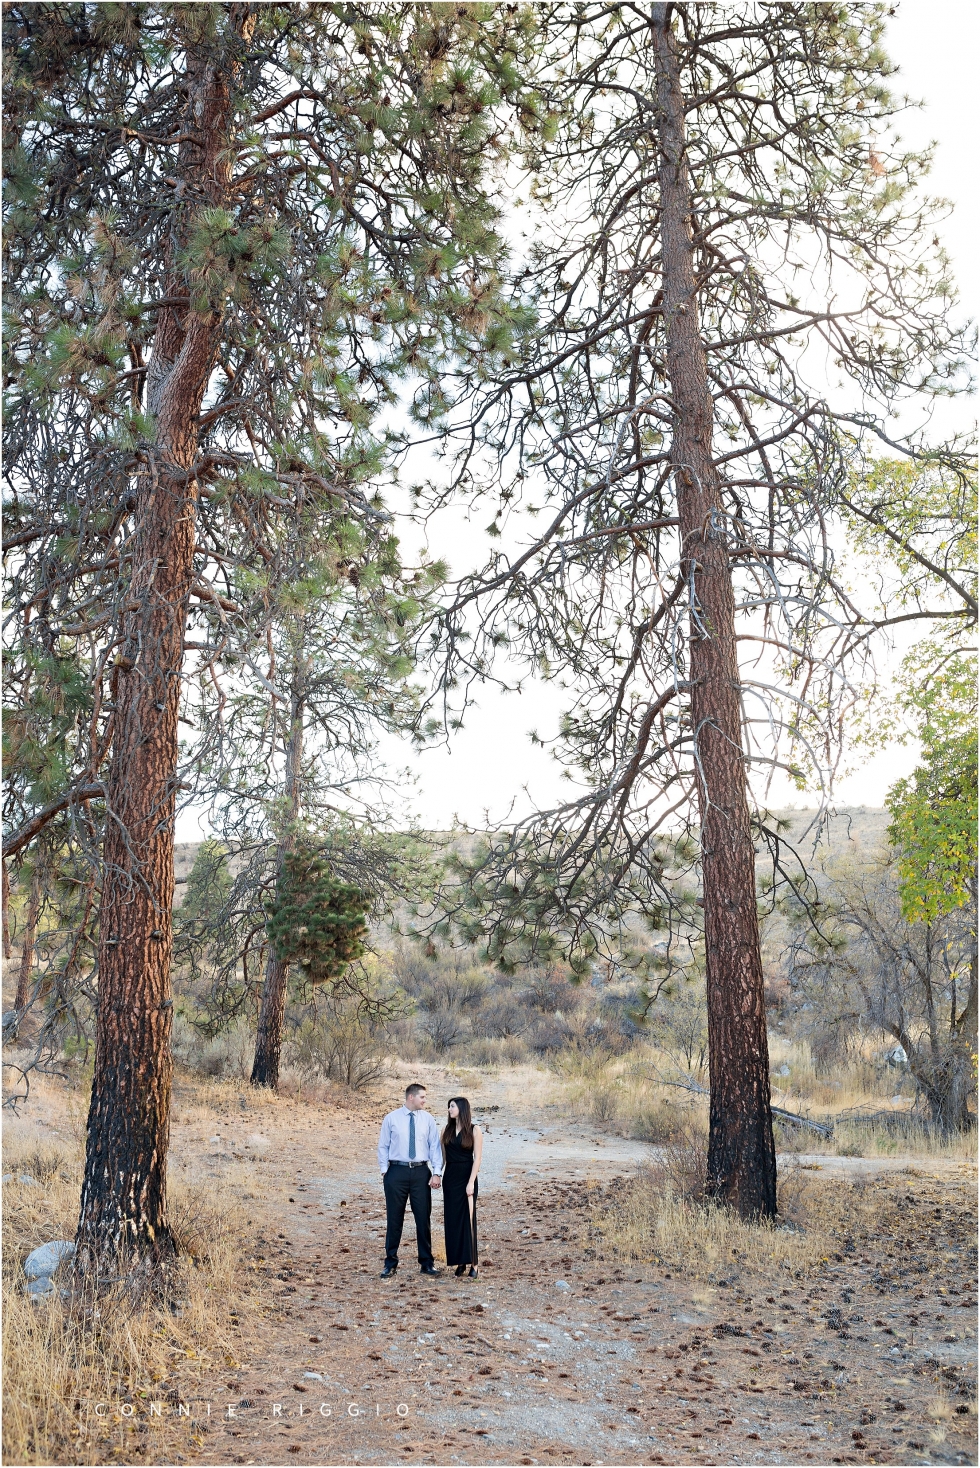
[393,1142]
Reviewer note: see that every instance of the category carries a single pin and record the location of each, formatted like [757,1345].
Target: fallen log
[823,1129]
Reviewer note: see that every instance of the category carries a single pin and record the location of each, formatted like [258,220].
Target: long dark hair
[465,1123]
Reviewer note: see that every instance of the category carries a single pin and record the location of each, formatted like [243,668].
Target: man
[410,1158]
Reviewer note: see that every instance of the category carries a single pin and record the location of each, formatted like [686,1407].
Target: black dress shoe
[430,1269]
[388,1271]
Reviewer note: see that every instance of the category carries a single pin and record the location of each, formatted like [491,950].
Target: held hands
[435,1182]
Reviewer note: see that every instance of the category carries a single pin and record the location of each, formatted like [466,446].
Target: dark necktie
[411,1136]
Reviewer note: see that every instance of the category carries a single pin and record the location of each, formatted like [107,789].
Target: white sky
[491,763]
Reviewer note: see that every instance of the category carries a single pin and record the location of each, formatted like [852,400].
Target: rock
[562,1284]
[257,1142]
[312,1376]
[44,1260]
[28,1181]
[8,1177]
[39,1289]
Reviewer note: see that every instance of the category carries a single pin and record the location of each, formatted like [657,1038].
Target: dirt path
[553,1356]
[558,1355]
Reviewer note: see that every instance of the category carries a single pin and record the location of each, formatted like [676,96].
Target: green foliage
[920,516]
[504,896]
[934,827]
[314,920]
[916,522]
[40,731]
[349,253]
[915,525]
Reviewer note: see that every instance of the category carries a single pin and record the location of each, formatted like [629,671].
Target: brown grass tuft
[652,1221]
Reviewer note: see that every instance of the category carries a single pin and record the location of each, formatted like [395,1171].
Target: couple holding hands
[414,1160]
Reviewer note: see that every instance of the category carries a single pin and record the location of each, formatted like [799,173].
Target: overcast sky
[492,760]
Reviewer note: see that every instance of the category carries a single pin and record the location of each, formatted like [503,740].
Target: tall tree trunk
[27,946]
[964,1054]
[741,1151]
[268,1036]
[966,1023]
[6,912]
[123,1203]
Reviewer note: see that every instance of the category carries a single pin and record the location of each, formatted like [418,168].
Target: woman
[462,1146]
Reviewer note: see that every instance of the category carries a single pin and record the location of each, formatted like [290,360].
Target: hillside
[861,828]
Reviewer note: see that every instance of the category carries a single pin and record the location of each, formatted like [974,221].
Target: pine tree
[232,229]
[736,283]
[292,757]
[314,920]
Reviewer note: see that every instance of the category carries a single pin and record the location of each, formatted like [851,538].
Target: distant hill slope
[862,828]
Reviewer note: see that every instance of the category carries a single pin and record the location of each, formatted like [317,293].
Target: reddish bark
[741,1151]
[268,1037]
[123,1205]
[6,913]
[27,944]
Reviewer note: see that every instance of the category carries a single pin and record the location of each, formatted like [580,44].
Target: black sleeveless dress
[461,1242]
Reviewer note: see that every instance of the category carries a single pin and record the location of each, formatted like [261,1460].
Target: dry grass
[908,1139]
[617,1093]
[61,1357]
[941,1408]
[660,1218]
[653,1222]
[630,1095]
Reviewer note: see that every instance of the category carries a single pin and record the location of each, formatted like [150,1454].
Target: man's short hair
[413,1090]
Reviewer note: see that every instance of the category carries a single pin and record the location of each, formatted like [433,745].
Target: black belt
[396,1163]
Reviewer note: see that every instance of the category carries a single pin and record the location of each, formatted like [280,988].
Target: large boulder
[42,1262]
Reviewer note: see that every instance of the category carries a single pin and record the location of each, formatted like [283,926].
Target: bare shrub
[45,1164]
[581,1062]
[548,990]
[550,1032]
[224,1056]
[654,1120]
[603,1102]
[683,1165]
[501,1019]
[679,1028]
[443,1028]
[499,1052]
[198,1226]
[340,1044]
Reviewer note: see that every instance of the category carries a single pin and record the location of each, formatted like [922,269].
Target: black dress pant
[405,1184]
